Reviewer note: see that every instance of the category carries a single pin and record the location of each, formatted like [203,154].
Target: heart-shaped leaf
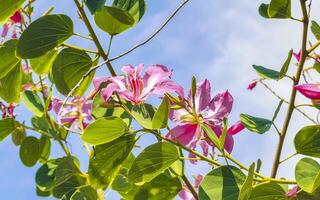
[307,141]
[308,174]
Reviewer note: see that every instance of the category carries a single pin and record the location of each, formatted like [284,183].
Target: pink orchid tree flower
[16,18]
[76,113]
[311,91]
[134,87]
[7,111]
[185,193]
[211,111]
[252,85]
[293,192]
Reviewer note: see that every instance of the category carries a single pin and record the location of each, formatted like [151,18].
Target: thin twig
[154,34]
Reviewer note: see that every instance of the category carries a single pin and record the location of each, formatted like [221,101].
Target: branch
[154,34]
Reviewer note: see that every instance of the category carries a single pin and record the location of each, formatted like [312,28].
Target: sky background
[211,39]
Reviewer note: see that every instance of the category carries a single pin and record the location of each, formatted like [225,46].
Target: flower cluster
[7,111]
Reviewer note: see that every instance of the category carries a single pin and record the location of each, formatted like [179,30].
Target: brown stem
[94,37]
[296,80]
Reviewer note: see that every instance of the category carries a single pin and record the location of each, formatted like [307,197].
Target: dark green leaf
[46,174]
[308,174]
[143,114]
[107,159]
[222,183]
[33,102]
[267,73]
[10,85]
[255,124]
[113,20]
[152,161]
[18,136]
[69,185]
[44,35]
[8,58]
[68,69]
[85,193]
[45,148]
[315,28]
[68,168]
[30,151]
[41,193]
[263,10]
[136,8]
[104,130]
[280,9]
[285,66]
[306,196]
[307,141]
[268,191]
[8,8]
[7,126]
[160,118]
[94,5]
[43,64]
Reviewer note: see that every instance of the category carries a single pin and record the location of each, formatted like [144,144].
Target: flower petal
[98,81]
[236,128]
[219,107]
[203,95]
[311,91]
[184,134]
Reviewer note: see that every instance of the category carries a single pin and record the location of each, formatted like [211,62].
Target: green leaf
[44,35]
[255,124]
[45,148]
[315,28]
[152,161]
[101,109]
[268,191]
[316,66]
[143,114]
[68,69]
[41,193]
[306,196]
[308,174]
[8,8]
[222,183]
[7,126]
[67,168]
[104,130]
[46,174]
[211,135]
[8,58]
[107,159]
[10,85]
[263,10]
[307,141]
[280,9]
[94,5]
[30,151]
[33,102]
[276,112]
[85,193]
[69,186]
[160,118]
[267,73]
[246,188]
[18,136]
[162,187]
[113,20]
[136,8]
[43,64]
[285,66]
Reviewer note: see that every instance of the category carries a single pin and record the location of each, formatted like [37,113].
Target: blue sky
[211,39]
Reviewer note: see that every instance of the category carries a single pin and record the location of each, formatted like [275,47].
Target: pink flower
[185,193]
[206,110]
[293,192]
[297,55]
[16,18]
[311,91]
[136,88]
[74,111]
[252,85]
[7,111]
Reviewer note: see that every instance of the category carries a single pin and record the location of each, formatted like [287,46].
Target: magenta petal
[98,81]
[205,147]
[16,17]
[293,192]
[69,120]
[252,85]
[108,91]
[5,29]
[56,104]
[203,95]
[228,145]
[184,194]
[168,86]
[236,128]
[153,76]
[311,91]
[184,134]
[219,107]
[297,55]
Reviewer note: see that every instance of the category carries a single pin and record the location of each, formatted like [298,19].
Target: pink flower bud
[252,85]
[297,56]
[293,192]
